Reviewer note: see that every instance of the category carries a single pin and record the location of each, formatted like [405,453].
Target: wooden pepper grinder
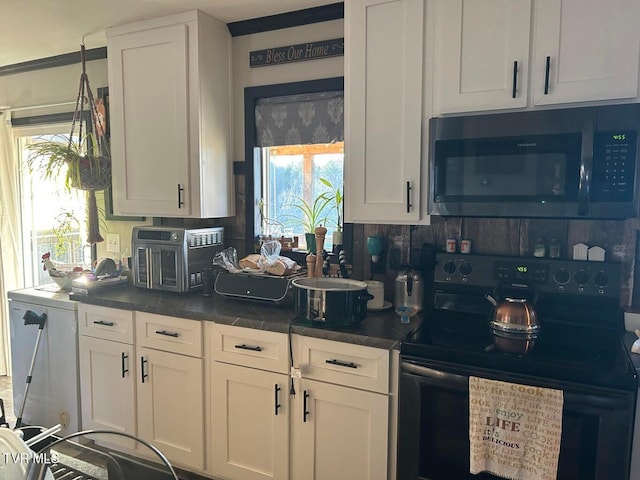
[311,265]
[321,233]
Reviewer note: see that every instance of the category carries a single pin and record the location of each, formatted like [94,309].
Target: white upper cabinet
[581,50]
[481,54]
[170,97]
[384,110]
[592,47]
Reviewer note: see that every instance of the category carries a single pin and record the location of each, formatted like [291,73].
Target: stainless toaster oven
[173,259]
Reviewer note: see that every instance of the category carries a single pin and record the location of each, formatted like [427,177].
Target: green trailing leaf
[313,215]
[335,197]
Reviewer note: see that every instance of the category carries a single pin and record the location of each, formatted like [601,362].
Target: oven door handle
[422,371]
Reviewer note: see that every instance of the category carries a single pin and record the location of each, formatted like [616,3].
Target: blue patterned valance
[300,119]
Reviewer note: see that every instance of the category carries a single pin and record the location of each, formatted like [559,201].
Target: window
[292,174]
[53,218]
[296,135]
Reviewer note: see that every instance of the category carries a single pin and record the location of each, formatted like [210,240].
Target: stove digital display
[510,271]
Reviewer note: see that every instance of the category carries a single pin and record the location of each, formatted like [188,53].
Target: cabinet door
[171,405]
[249,414]
[339,433]
[481,54]
[107,376]
[148,78]
[592,47]
[383,110]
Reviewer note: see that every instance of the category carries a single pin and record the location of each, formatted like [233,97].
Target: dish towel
[514,430]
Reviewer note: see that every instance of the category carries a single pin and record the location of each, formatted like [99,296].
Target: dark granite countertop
[378,329]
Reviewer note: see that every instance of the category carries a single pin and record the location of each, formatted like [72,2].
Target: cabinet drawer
[104,322]
[172,334]
[343,363]
[249,347]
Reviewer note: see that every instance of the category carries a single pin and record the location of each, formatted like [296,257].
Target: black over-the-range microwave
[563,163]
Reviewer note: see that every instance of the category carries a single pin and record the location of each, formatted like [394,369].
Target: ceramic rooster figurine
[47,264]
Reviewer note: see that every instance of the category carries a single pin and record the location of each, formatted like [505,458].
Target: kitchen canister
[375,288]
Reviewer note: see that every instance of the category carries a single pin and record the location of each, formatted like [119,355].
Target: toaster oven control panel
[546,275]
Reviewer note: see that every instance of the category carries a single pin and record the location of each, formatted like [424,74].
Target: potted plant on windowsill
[335,197]
[313,215]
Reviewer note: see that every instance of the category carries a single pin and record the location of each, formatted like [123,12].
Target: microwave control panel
[614,166]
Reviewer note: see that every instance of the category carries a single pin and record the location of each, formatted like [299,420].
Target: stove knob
[466,268]
[449,267]
[581,277]
[601,279]
[561,277]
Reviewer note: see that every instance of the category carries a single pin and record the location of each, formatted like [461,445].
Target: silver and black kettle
[409,289]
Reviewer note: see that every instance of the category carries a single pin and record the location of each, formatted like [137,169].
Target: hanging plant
[87,157]
[83,171]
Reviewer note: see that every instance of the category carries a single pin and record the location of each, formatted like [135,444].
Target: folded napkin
[514,430]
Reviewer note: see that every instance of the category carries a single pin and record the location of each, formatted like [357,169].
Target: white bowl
[64,282]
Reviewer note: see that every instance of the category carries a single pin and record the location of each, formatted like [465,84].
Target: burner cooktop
[581,336]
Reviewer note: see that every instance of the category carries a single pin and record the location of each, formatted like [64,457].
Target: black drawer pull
[305,412]
[102,322]
[409,197]
[277,400]
[341,363]
[180,192]
[143,375]
[124,359]
[168,334]
[546,75]
[253,348]
[514,89]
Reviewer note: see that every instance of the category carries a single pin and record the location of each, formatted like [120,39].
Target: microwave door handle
[148,256]
[586,165]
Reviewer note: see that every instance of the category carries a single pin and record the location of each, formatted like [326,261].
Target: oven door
[433,436]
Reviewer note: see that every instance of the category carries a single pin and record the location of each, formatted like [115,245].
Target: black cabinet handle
[124,359]
[341,363]
[180,192]
[102,322]
[168,334]
[305,412]
[253,348]
[142,362]
[277,395]
[515,79]
[546,76]
[409,197]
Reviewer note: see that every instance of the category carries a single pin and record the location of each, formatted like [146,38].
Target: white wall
[243,76]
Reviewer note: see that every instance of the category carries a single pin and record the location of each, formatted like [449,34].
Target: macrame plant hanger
[95,170]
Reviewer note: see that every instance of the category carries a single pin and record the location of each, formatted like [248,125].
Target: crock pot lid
[329,284]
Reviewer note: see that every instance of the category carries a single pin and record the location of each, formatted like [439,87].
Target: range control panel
[546,274]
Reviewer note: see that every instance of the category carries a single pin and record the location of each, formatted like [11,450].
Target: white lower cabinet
[171,405]
[249,403]
[250,423]
[107,372]
[338,433]
[107,387]
[340,416]
[144,376]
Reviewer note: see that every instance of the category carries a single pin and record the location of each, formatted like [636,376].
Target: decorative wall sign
[297,53]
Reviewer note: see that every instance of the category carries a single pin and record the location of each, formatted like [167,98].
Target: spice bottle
[554,248]
[539,249]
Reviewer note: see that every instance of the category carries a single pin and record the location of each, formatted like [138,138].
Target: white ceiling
[33,29]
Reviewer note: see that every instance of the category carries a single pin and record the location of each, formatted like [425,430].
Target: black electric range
[582,326]
[579,350]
